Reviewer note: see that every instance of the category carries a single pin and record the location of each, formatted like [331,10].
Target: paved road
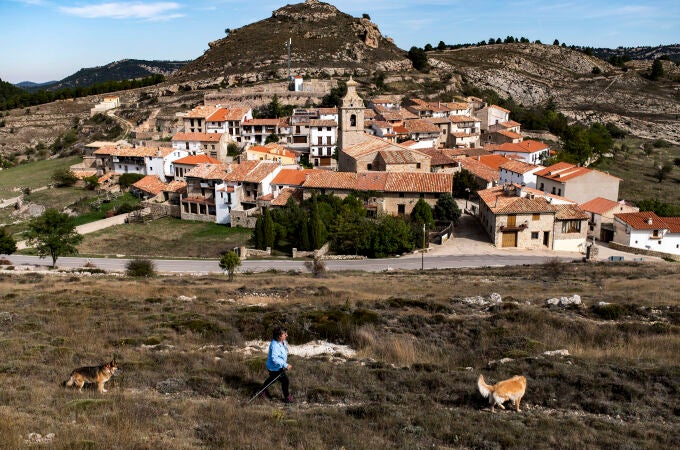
[369,265]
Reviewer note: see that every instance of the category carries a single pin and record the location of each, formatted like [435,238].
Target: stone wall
[639,251]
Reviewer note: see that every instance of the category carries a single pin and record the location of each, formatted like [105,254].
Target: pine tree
[258,235]
[267,229]
[317,230]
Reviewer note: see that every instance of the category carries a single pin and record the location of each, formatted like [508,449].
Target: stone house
[195,120]
[140,160]
[394,193]
[182,166]
[374,155]
[579,184]
[424,133]
[646,231]
[270,152]
[213,144]
[571,228]
[492,115]
[602,210]
[152,188]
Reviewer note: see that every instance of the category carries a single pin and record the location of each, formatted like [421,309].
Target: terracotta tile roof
[202,112]
[492,161]
[563,171]
[438,157]
[322,123]
[369,114]
[510,124]
[397,157]
[382,181]
[570,212]
[673,224]
[224,114]
[208,171]
[175,186]
[80,174]
[437,120]
[499,203]
[139,152]
[328,111]
[420,126]
[272,149]
[193,160]
[198,137]
[546,195]
[266,122]
[457,105]
[371,144]
[641,221]
[151,184]
[463,119]
[238,172]
[509,134]
[260,172]
[478,169]
[293,177]
[599,205]
[527,146]
[499,108]
[465,152]
[382,124]
[396,115]
[419,182]
[519,166]
[400,129]
[410,143]
[106,177]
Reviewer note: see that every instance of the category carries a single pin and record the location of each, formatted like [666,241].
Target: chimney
[649,221]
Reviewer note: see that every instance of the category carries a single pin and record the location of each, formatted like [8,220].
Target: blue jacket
[278,356]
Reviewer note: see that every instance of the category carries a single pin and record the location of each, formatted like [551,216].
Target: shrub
[64,177]
[317,266]
[128,179]
[126,207]
[140,267]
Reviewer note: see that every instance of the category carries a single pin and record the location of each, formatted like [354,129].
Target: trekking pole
[265,388]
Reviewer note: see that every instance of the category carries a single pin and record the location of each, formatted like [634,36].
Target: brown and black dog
[92,374]
[511,389]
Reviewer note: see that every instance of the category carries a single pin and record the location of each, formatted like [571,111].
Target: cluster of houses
[396,152]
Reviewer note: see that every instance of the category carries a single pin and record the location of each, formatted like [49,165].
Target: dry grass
[183,386]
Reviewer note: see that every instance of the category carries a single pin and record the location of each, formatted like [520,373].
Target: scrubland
[420,346]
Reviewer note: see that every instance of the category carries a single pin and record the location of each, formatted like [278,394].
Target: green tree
[64,177]
[232,149]
[258,234]
[428,47]
[418,58]
[317,229]
[662,171]
[422,214]
[272,139]
[332,99]
[464,183]
[556,42]
[441,46]
[91,183]
[128,179]
[53,234]
[657,70]
[7,243]
[389,236]
[267,229]
[229,262]
[366,16]
[447,208]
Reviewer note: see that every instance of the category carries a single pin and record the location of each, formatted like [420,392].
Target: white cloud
[125,10]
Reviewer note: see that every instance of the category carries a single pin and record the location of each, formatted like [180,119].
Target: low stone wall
[640,251]
[197,217]
[251,252]
[244,219]
[312,254]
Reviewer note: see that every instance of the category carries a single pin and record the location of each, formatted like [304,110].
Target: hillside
[324,41]
[125,69]
[640,53]
[533,74]
[400,373]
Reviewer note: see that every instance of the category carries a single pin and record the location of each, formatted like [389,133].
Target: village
[222,165]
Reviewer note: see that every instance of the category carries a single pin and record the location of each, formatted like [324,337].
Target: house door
[546,238]
[509,239]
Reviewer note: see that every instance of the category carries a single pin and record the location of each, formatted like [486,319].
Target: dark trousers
[283,379]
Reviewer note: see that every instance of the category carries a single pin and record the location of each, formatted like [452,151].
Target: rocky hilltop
[325,42]
[533,73]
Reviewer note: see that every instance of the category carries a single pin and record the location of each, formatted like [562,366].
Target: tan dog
[510,389]
[92,374]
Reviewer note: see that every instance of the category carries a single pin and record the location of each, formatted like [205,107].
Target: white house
[518,172]
[602,210]
[647,231]
[213,144]
[532,152]
[492,115]
[323,135]
[228,121]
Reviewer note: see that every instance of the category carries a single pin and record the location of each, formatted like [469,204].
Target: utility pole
[422,252]
[288,46]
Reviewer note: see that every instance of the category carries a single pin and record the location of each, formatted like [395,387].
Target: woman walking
[277,364]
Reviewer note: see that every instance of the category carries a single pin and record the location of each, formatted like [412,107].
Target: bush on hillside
[140,267]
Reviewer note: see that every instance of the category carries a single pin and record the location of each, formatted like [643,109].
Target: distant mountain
[125,69]
[31,86]
[640,53]
[325,41]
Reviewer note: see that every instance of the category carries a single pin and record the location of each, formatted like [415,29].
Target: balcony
[520,227]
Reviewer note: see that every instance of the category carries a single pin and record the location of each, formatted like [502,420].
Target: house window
[553,190]
[534,235]
[401,209]
[542,186]
[369,166]
[422,195]
[187,145]
[559,192]
[571,226]
[353,120]
[417,165]
[535,216]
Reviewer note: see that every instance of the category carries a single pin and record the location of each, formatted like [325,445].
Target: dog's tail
[484,388]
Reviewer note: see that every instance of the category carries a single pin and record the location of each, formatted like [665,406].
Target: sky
[44,40]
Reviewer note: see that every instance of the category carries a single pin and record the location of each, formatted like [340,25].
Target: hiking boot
[288,399]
